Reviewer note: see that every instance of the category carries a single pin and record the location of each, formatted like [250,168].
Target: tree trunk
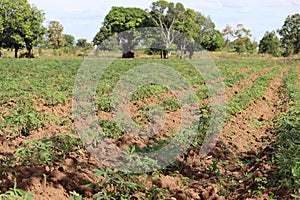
[29,50]
[191,53]
[163,54]
[182,47]
[169,54]
[16,52]
[191,50]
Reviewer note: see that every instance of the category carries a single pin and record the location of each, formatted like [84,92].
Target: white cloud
[278,3]
[296,2]
[234,3]
[213,4]
[84,22]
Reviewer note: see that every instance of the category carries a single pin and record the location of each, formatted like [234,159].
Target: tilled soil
[298,73]
[230,169]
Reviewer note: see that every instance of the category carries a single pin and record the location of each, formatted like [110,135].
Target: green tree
[186,20]
[206,29]
[203,31]
[20,25]
[243,42]
[214,41]
[69,40]
[227,33]
[169,17]
[240,44]
[55,34]
[118,20]
[241,31]
[14,15]
[270,44]
[290,35]
[83,44]
[110,44]
[36,32]
[173,18]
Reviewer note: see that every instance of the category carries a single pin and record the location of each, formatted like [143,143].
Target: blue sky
[83,18]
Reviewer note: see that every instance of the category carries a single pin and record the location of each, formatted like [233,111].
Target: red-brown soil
[298,74]
[245,139]
[244,83]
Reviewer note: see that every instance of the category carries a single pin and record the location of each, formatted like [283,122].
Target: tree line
[200,29]
[21,26]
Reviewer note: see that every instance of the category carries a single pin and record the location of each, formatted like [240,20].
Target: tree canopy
[20,25]
[172,19]
[270,44]
[242,43]
[69,40]
[290,35]
[120,19]
[55,34]
[82,43]
[177,28]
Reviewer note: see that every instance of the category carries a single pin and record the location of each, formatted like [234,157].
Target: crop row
[243,99]
[287,156]
[23,82]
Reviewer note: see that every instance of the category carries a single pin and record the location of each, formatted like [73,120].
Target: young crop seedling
[23,122]
[15,193]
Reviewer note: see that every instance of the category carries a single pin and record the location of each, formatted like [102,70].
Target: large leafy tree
[207,29]
[36,32]
[121,19]
[290,35]
[176,27]
[170,18]
[270,44]
[55,34]
[214,41]
[14,16]
[69,40]
[243,42]
[203,31]
[173,18]
[83,44]
[185,19]
[20,25]
[227,34]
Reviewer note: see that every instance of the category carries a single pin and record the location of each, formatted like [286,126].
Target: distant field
[257,155]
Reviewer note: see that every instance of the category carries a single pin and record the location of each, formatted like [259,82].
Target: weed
[288,138]
[75,196]
[261,182]
[110,128]
[147,91]
[115,184]
[15,193]
[46,151]
[23,122]
[171,104]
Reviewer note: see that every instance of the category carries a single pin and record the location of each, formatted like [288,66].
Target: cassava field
[257,155]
